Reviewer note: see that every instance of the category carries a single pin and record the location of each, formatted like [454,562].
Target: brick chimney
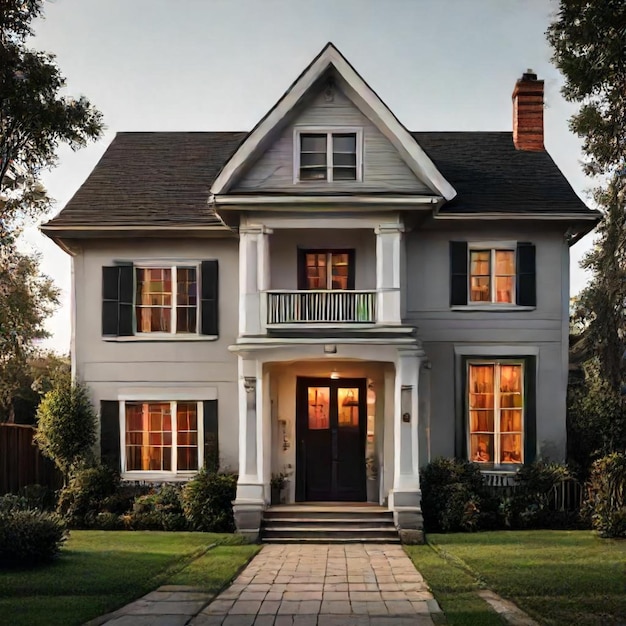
[528,113]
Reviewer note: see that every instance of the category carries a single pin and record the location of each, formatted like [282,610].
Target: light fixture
[334,375]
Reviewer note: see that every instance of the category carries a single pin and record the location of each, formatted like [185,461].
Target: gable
[383,169]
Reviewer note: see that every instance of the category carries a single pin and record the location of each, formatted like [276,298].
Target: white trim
[512,351]
[376,110]
[518,216]
[157,475]
[144,337]
[181,394]
[494,307]
[290,200]
[329,131]
[130,227]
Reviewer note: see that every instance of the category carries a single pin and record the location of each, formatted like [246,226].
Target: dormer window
[324,155]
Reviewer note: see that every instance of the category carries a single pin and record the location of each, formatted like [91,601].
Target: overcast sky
[221,64]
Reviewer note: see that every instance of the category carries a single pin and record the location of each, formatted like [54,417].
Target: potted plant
[277,484]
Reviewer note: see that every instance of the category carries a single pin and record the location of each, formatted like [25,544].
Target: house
[328,294]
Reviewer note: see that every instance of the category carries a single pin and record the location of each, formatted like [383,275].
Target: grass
[454,589]
[100,571]
[558,577]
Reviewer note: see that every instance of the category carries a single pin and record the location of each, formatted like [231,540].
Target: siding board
[383,168]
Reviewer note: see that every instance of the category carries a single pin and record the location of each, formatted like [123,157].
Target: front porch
[341,420]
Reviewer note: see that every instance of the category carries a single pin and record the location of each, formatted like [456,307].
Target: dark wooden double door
[331,426]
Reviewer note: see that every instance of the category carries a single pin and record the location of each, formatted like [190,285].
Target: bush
[207,502]
[39,497]
[29,537]
[87,490]
[160,509]
[606,495]
[11,502]
[454,497]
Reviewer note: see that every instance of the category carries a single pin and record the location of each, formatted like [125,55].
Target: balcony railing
[322,307]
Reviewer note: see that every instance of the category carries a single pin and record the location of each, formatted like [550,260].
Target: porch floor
[327,507]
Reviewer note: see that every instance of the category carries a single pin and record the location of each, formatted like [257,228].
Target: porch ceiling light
[334,375]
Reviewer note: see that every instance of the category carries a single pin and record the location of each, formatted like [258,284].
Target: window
[154,299]
[161,436]
[492,274]
[159,307]
[327,156]
[326,269]
[496,412]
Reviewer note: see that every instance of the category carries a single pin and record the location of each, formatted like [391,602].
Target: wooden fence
[21,462]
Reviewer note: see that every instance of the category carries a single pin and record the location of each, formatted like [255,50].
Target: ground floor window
[496,407]
[162,436]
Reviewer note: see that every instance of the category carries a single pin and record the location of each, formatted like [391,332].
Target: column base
[248,517]
[407,511]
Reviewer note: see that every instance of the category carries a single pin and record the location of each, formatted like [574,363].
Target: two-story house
[328,293]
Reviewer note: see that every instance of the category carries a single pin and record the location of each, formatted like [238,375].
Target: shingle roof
[163,178]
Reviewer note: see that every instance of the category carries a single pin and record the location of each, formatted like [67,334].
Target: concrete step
[306,540]
[356,514]
[359,522]
[327,532]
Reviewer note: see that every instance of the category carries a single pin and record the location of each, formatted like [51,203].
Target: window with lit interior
[492,276]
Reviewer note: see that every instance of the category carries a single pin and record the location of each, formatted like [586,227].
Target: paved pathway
[324,585]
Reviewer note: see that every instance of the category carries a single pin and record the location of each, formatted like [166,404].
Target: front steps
[328,523]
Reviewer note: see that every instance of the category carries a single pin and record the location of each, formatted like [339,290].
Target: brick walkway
[324,585]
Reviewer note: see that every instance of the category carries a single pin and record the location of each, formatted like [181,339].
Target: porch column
[388,255]
[405,497]
[254,278]
[251,489]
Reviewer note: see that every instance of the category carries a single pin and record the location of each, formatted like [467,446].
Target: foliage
[454,496]
[66,428]
[606,497]
[207,501]
[161,509]
[589,45]
[88,489]
[278,481]
[29,537]
[31,497]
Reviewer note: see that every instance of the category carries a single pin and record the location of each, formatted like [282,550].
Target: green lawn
[558,577]
[98,571]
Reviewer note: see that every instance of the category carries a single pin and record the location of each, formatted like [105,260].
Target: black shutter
[209,297]
[526,283]
[302,283]
[110,434]
[530,398]
[117,300]
[458,273]
[211,438]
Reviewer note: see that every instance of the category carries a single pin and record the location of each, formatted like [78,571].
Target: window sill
[158,477]
[151,338]
[492,308]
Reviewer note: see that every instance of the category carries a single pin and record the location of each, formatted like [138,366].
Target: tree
[66,425]
[35,119]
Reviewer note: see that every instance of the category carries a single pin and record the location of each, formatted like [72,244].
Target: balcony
[321,307]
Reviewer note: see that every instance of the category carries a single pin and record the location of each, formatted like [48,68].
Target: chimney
[528,113]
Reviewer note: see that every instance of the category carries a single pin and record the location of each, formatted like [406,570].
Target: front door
[331,423]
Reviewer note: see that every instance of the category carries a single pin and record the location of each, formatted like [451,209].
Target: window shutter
[526,283]
[458,273]
[209,297]
[110,434]
[117,300]
[211,439]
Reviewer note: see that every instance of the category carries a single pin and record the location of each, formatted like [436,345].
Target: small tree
[66,429]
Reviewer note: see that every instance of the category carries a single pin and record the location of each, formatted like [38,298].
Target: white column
[388,256]
[254,278]
[405,498]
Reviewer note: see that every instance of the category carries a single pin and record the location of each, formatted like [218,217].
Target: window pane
[187,287]
[479,262]
[344,142]
[316,271]
[481,378]
[187,435]
[313,143]
[153,299]
[505,263]
[186,319]
[340,268]
[505,288]
[481,421]
[511,421]
[313,174]
[511,449]
[344,173]
[318,408]
[480,289]
[313,159]
[481,448]
[148,436]
[348,407]
[345,160]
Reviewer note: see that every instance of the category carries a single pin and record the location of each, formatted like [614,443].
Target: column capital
[255,229]
[389,229]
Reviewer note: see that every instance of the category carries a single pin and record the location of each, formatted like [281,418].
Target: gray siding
[383,169]
[445,332]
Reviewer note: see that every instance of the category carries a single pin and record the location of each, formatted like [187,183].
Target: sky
[199,65]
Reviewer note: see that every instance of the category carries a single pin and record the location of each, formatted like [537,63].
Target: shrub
[207,501]
[66,425]
[29,537]
[606,495]
[160,509]
[454,497]
[11,502]
[39,497]
[87,490]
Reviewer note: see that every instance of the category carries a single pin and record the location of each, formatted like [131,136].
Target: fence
[21,462]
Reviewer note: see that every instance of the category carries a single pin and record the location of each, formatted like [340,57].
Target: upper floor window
[155,299]
[326,269]
[492,274]
[327,155]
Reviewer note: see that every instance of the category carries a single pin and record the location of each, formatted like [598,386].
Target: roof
[164,178]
